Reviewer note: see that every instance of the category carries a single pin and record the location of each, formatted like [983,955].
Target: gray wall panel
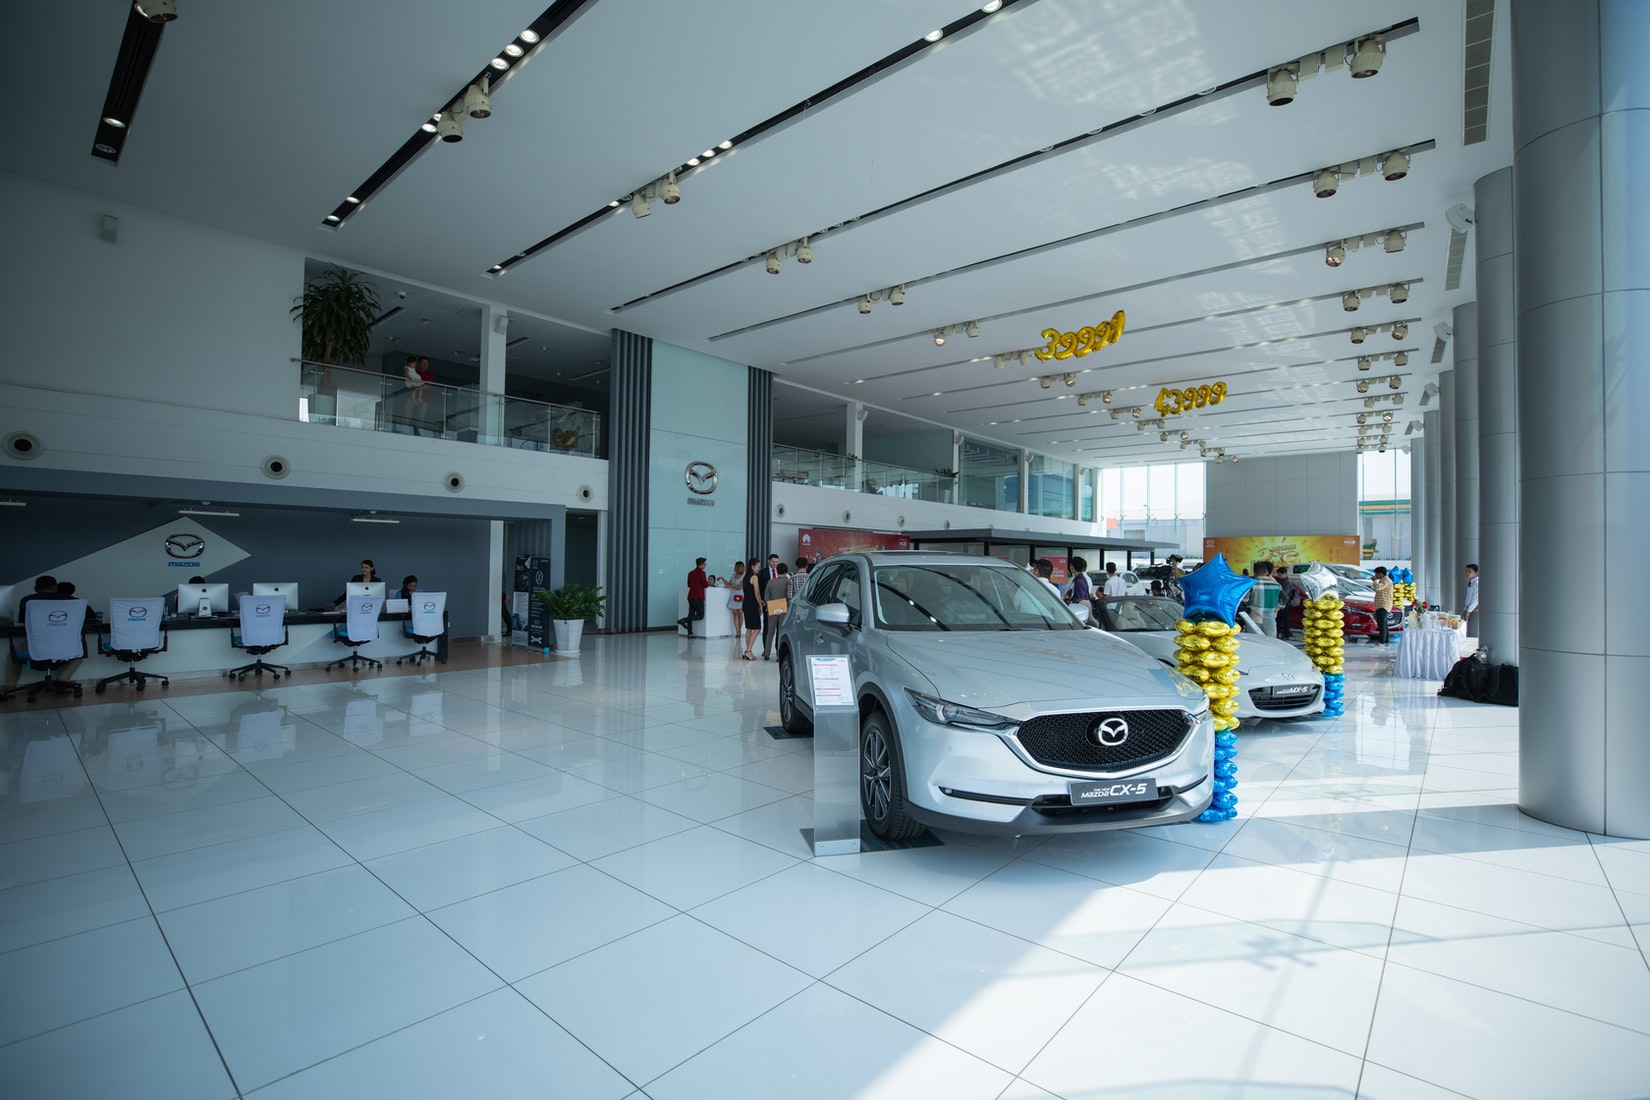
[1561,738]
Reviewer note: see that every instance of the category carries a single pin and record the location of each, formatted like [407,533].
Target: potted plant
[570,607]
[337,310]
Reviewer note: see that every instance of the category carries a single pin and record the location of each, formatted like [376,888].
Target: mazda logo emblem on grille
[1110,732]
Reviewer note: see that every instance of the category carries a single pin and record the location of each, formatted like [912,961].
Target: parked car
[1275,680]
[1358,595]
[987,705]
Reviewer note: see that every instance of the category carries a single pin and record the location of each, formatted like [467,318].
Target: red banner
[815,543]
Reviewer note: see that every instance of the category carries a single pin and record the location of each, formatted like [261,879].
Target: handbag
[778,607]
[736,599]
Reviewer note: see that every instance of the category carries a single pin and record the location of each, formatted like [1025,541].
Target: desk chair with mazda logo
[135,631]
[262,630]
[54,631]
[426,623]
[360,627]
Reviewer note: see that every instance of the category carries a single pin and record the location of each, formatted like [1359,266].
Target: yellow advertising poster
[1242,551]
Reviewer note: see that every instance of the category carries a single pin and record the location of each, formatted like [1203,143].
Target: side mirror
[831,614]
[1081,611]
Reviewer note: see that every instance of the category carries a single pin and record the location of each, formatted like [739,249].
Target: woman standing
[752,607]
[736,599]
[776,598]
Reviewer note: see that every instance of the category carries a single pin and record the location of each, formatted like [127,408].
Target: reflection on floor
[586,879]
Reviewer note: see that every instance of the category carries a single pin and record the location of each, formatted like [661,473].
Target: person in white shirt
[1043,569]
[1115,585]
[1472,600]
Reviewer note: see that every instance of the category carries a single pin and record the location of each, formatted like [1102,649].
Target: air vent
[779,510]
[1475,116]
[277,467]
[1437,351]
[23,445]
[847,517]
[1457,256]
[586,492]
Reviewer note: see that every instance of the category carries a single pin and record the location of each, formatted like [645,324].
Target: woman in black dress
[752,607]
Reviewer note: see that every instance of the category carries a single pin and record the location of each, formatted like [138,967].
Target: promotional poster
[1242,551]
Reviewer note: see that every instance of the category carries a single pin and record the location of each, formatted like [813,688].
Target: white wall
[172,309]
[1315,494]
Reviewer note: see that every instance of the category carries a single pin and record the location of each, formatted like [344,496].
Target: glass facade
[1164,503]
[1383,505]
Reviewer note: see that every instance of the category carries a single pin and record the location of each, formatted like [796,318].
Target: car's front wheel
[882,780]
[790,716]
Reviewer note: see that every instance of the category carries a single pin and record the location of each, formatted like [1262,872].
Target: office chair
[361,627]
[426,624]
[54,632]
[135,631]
[262,630]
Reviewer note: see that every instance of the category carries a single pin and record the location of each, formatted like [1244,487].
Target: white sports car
[1276,680]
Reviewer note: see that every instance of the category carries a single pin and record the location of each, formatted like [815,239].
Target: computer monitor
[364,588]
[289,589]
[190,596]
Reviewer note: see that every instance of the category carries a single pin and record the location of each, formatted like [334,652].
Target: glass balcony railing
[350,398]
[830,471]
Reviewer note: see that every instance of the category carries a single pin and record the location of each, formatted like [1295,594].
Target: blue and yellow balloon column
[1206,650]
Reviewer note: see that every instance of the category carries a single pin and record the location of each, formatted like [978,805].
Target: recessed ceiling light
[857,381]
[334,218]
[992,6]
[708,153]
[514,50]
[693,162]
[725,145]
[499,63]
[428,127]
[614,203]
[115,122]
[933,36]
[352,199]
[105,148]
[936,393]
[529,36]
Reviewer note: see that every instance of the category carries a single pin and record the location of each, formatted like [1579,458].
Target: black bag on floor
[1482,682]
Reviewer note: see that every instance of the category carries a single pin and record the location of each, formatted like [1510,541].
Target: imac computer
[364,588]
[289,589]
[214,596]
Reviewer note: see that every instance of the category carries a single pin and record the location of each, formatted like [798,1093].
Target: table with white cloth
[1428,654]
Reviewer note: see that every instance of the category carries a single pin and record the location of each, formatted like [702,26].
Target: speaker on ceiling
[277,467]
[779,509]
[453,482]
[586,492]
[24,445]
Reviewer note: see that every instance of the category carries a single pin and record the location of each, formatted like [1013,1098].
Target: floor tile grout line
[1615,895]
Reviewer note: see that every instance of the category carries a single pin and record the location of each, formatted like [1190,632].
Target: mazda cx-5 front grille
[1070,741]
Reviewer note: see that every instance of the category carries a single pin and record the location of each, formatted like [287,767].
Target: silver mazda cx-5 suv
[987,705]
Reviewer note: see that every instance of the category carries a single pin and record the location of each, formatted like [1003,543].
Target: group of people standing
[758,597]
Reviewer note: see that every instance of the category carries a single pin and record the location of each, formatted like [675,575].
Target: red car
[1359,621]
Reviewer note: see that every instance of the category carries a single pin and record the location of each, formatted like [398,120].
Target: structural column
[1465,346]
[1448,565]
[1498,558]
[1432,549]
[1418,506]
[1581,124]
[495,323]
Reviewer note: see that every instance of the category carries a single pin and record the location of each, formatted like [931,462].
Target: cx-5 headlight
[942,713]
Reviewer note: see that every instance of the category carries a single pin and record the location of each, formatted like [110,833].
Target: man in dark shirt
[697,582]
[45,588]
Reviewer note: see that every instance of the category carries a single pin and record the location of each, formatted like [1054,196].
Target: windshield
[1142,613]
[965,597]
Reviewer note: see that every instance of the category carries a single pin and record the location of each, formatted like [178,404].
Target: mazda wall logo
[184,546]
[1110,732]
[700,478]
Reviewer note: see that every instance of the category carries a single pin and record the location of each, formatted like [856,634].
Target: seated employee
[409,585]
[369,573]
[45,588]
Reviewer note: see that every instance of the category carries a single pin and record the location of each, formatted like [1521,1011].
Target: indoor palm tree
[337,308]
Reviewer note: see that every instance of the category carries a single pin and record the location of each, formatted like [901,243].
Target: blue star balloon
[1214,592]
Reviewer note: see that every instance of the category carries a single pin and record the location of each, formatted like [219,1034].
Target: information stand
[836,756]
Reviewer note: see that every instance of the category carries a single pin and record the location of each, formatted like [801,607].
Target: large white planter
[568,634]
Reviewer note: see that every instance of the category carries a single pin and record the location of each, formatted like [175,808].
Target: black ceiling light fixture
[144,25]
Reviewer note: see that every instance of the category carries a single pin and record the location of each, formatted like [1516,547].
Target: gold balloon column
[1208,653]
[1322,619]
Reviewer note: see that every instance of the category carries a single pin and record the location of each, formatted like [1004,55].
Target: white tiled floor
[588,880]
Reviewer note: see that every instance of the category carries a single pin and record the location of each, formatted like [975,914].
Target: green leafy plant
[575,601]
[946,473]
[337,309]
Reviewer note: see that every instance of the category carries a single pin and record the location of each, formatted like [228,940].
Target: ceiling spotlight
[639,204]
[1399,293]
[1334,254]
[990,6]
[1105,398]
[157,11]
[1382,447]
[1394,382]
[1396,165]
[1363,418]
[972,328]
[1184,444]
[933,36]
[1400,330]
[1325,183]
[1162,437]
[939,338]
[1349,301]
[1046,381]
[1025,358]
[514,50]
[1369,402]
[1135,412]
[499,63]
[1363,385]
[1082,399]
[1401,359]
[529,36]
[865,306]
[1281,83]
[1395,240]
[1368,55]
[1386,418]
[671,192]
[449,127]
[773,262]
[1359,335]
[896,295]
[1397,399]
[1185,436]
[804,252]
[476,103]
[1363,362]
[1071,379]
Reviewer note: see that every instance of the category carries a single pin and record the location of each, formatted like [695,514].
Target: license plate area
[1293,689]
[1111,792]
